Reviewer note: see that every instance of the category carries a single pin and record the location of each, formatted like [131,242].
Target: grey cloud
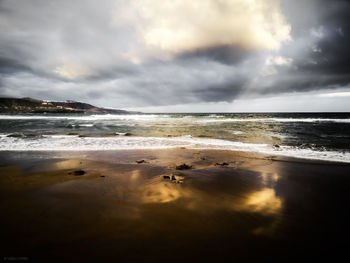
[223,92]
[223,54]
[10,66]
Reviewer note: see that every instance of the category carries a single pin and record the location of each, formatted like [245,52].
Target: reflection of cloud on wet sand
[264,201]
[215,195]
[259,200]
[67,164]
[269,179]
[267,203]
[159,191]
[209,193]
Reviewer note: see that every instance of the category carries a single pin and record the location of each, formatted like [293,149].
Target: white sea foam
[146,118]
[237,132]
[275,120]
[75,143]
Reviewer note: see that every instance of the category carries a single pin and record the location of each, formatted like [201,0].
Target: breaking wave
[76,143]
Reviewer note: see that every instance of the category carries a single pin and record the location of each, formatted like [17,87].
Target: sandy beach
[127,206]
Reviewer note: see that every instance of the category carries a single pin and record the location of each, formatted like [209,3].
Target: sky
[179,55]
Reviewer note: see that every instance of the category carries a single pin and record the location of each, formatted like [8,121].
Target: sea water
[319,136]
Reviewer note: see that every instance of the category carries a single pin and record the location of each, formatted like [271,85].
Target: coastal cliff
[29,105]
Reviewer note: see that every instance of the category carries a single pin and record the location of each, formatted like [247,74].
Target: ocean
[316,136]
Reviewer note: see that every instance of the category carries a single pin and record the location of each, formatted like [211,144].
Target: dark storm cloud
[76,50]
[334,55]
[319,50]
[10,66]
[223,54]
[187,81]
[304,82]
[225,92]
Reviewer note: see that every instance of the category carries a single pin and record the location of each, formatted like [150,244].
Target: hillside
[29,105]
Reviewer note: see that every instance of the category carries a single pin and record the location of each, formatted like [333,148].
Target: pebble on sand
[141,161]
[78,172]
[183,167]
[222,164]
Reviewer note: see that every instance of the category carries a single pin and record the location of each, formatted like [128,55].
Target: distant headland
[29,105]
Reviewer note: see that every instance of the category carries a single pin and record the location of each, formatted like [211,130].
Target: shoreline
[140,152]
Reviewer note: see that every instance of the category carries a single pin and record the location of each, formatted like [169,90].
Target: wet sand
[229,206]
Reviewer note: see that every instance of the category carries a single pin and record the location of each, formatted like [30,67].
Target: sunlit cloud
[179,26]
[279,61]
[71,71]
[336,94]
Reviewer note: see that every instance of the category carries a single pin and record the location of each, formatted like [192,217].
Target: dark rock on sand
[174,178]
[222,164]
[122,134]
[141,161]
[79,172]
[183,167]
